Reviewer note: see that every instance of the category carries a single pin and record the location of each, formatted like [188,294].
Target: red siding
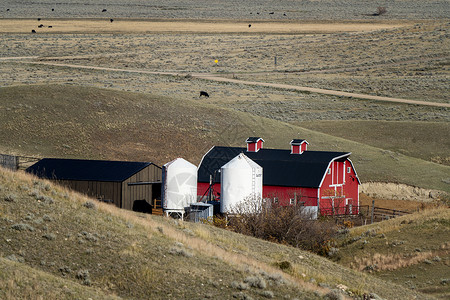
[339,189]
[295,149]
[299,149]
[284,194]
[254,147]
[202,188]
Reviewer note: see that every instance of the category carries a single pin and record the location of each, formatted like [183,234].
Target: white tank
[241,180]
[179,185]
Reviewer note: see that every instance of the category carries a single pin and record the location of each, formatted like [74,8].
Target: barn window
[292,201]
[349,169]
[329,170]
[275,200]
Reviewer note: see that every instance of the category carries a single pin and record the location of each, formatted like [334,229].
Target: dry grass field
[92,249]
[402,54]
[120,26]
[408,250]
[128,89]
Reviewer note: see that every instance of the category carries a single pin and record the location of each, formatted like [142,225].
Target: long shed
[129,185]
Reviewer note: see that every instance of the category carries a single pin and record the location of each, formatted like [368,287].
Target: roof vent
[254,144]
[298,146]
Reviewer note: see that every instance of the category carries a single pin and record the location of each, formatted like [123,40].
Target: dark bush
[291,225]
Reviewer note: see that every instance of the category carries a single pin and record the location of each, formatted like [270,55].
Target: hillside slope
[83,122]
[117,252]
[411,250]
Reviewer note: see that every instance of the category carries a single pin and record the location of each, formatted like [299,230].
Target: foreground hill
[84,122]
[411,250]
[53,237]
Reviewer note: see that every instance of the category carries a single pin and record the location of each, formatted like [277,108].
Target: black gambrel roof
[87,170]
[280,167]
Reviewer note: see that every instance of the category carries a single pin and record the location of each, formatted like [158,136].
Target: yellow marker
[216,61]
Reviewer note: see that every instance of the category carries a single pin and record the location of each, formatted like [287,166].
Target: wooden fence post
[373,211]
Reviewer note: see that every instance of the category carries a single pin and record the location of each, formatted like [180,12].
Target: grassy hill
[85,122]
[55,242]
[410,250]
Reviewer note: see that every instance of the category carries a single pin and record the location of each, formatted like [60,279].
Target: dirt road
[213,77]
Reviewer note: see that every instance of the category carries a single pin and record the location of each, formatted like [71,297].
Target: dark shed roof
[298,142]
[280,167]
[253,139]
[88,170]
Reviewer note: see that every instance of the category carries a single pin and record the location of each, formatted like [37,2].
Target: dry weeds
[389,262]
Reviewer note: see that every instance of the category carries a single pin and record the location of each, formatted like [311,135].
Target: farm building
[129,185]
[320,180]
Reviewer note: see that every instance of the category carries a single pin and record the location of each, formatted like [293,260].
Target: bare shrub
[89,204]
[292,225]
[22,227]
[381,10]
[10,198]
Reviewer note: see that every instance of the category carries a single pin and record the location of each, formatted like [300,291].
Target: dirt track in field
[102,26]
[213,77]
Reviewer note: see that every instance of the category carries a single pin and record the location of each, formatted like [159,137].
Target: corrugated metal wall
[104,191]
[133,192]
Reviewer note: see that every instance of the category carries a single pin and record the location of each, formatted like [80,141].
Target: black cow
[33,31]
[40,26]
[203,93]
[104,10]
[111,20]
[249,25]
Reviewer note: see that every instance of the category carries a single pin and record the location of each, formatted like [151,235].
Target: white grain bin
[179,185]
[241,180]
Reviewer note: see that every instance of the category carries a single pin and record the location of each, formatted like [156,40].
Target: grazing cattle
[203,93]
[104,10]
[39,19]
[7,9]
[33,31]
[249,25]
[40,26]
[50,26]
[271,13]
[284,14]
[53,9]
[111,20]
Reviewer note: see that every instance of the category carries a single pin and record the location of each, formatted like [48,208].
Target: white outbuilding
[241,180]
[179,186]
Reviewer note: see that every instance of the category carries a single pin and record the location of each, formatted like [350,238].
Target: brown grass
[182,26]
[390,262]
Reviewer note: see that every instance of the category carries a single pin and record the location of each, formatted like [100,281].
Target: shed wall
[130,193]
[104,191]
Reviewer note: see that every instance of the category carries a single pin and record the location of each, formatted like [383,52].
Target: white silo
[179,186]
[241,180]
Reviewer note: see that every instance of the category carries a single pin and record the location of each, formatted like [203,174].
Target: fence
[362,214]
[15,162]
[380,213]
[9,161]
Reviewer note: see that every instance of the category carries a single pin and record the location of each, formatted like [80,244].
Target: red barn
[320,180]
